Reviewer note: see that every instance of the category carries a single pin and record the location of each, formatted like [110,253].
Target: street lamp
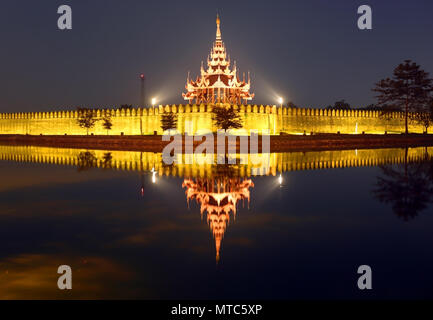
[153,102]
[280,100]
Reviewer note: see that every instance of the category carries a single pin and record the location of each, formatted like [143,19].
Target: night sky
[309,52]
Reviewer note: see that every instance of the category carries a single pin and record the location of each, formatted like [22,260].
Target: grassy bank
[282,143]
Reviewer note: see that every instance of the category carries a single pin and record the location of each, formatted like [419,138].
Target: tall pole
[142,94]
[142,100]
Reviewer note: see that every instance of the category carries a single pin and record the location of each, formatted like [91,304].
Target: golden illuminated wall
[198,118]
[145,161]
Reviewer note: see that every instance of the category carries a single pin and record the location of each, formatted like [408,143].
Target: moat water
[130,227]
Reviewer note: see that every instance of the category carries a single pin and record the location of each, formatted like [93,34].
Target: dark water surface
[131,233]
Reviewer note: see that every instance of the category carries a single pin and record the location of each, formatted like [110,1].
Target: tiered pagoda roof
[218,83]
[218,198]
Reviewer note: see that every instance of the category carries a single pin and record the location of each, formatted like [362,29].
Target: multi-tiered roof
[218,198]
[218,84]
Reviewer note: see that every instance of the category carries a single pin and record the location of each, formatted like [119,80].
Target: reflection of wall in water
[198,118]
[291,161]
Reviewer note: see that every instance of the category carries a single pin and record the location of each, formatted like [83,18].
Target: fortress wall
[198,118]
[350,122]
[278,162]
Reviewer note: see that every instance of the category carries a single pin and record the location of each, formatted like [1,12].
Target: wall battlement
[268,109]
[198,118]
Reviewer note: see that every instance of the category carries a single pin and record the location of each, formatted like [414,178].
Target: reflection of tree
[225,170]
[107,160]
[86,160]
[407,187]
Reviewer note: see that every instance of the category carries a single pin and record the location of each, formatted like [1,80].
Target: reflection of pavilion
[218,197]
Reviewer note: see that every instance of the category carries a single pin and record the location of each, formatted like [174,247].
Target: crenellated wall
[198,119]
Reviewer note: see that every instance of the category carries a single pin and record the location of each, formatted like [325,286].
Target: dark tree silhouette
[409,90]
[107,158]
[340,105]
[226,117]
[107,123]
[290,104]
[168,121]
[86,118]
[225,170]
[424,116]
[372,107]
[407,187]
[86,160]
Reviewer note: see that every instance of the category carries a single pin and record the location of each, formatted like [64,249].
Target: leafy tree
[226,117]
[409,90]
[107,123]
[168,121]
[86,118]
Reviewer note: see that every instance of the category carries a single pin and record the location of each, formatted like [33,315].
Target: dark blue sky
[310,52]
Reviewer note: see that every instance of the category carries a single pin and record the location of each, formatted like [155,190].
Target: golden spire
[218,32]
[217,249]
[217,83]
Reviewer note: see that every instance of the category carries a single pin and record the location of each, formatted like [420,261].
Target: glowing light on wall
[280,101]
[153,175]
